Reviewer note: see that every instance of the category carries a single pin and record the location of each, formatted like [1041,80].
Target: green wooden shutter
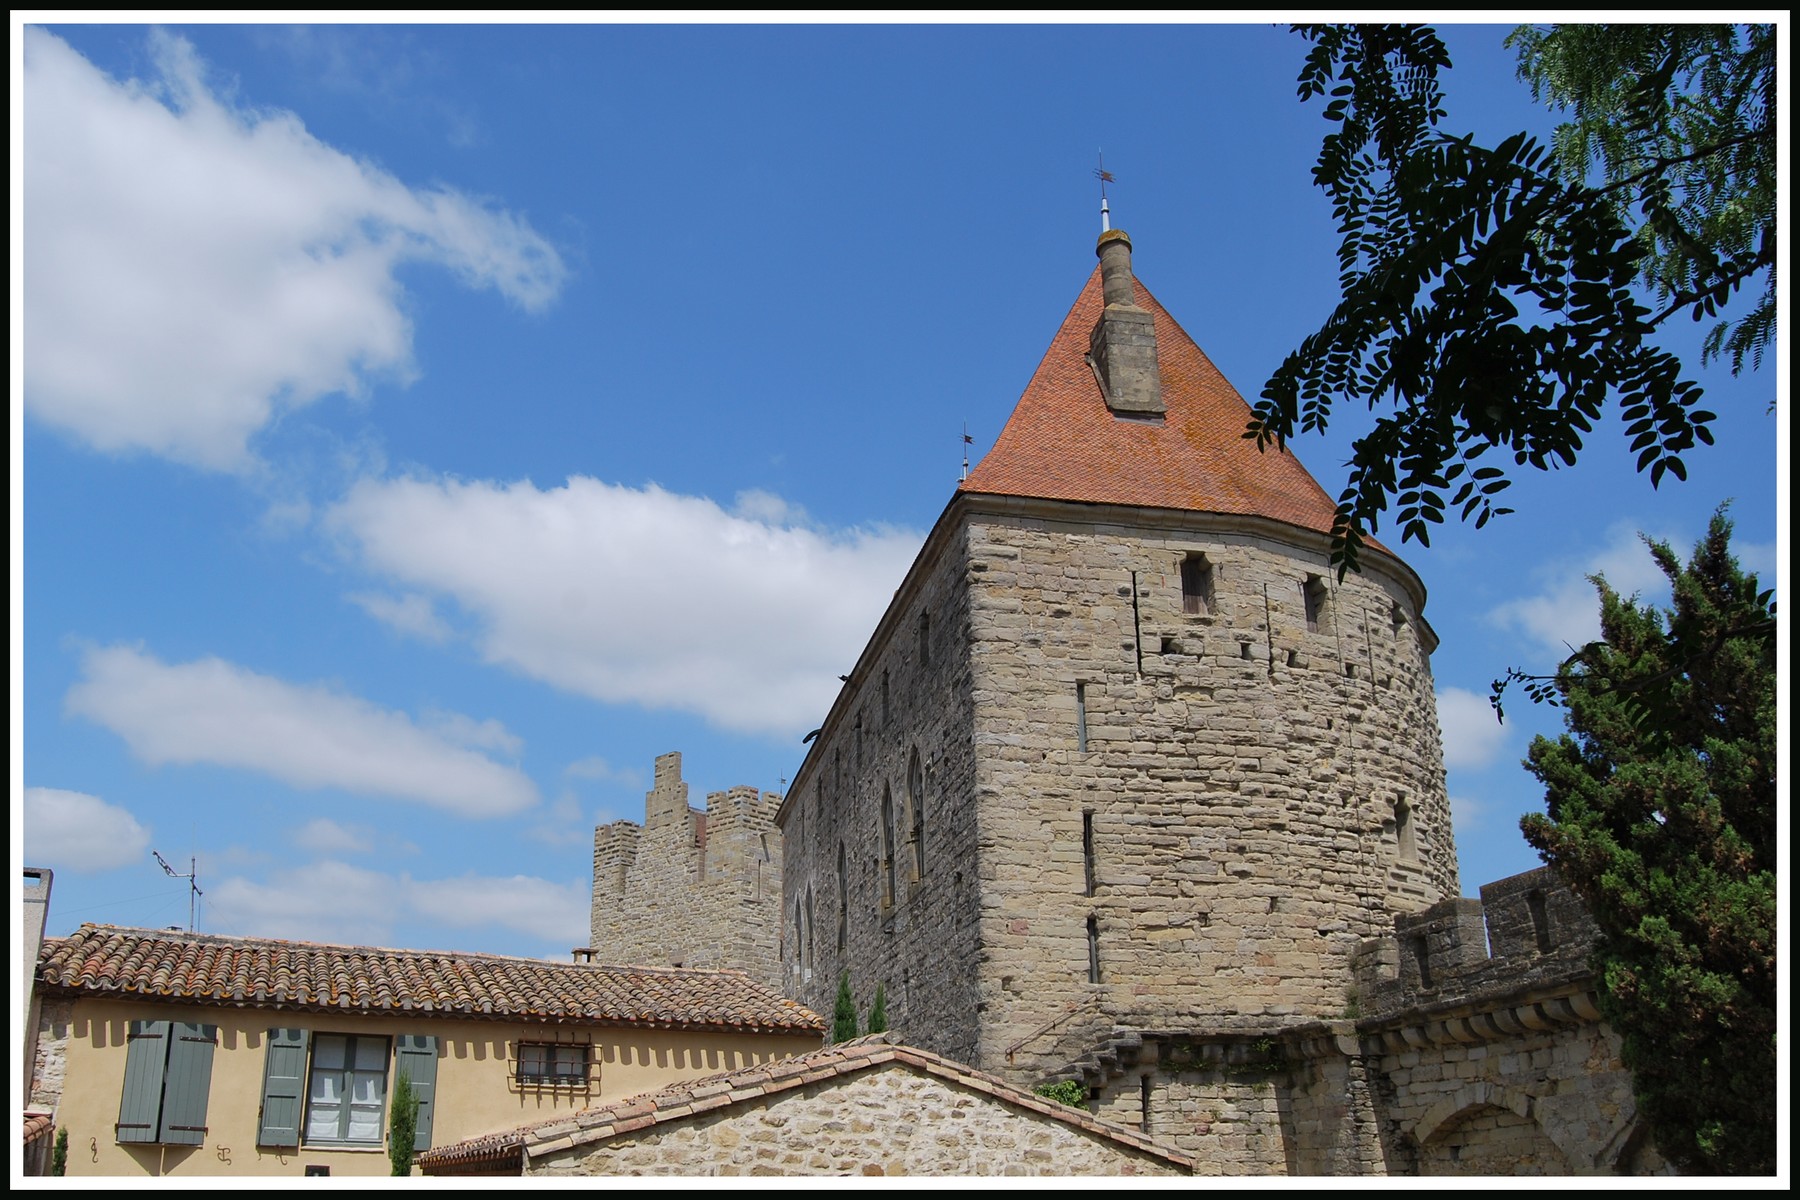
[416,1058]
[284,1088]
[146,1054]
[187,1082]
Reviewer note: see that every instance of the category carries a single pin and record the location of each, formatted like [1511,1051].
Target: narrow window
[806,945]
[915,802]
[1314,595]
[1421,952]
[1093,932]
[843,898]
[887,844]
[925,636]
[1081,717]
[859,757]
[1397,617]
[1540,919]
[1196,584]
[799,939]
[1403,831]
[1087,849]
[1144,1103]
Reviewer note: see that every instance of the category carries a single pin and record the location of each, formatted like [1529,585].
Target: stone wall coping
[767,1080]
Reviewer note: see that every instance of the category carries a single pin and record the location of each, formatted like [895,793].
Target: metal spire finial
[1105,177]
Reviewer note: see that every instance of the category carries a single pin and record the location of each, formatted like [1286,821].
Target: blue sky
[419,429]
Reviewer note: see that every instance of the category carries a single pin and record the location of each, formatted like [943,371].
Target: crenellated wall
[1449,1061]
[690,887]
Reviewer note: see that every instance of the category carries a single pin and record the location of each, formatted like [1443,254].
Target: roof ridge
[183,936]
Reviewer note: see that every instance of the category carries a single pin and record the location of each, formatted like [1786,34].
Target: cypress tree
[843,1025]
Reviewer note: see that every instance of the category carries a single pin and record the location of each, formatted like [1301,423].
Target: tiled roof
[37,1124]
[764,1080]
[1063,443]
[105,960]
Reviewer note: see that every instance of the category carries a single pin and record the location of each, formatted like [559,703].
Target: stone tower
[691,888]
[1123,753]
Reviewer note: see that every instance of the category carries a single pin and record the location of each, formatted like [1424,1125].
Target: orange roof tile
[1062,442]
[764,1080]
[106,960]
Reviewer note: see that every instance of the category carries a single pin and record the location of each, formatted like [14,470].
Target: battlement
[668,890]
[1526,930]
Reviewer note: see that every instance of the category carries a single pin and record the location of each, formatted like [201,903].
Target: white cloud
[320,902]
[1473,736]
[73,831]
[309,736]
[336,902]
[197,267]
[640,597]
[563,824]
[1467,815]
[1564,614]
[325,836]
[411,613]
[467,731]
[534,907]
[596,767]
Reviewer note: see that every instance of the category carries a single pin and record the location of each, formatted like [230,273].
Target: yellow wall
[476,1092]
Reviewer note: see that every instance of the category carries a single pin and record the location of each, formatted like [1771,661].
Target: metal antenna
[967,442]
[192,877]
[1105,177]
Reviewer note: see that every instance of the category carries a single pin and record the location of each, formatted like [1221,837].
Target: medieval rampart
[1450,1060]
[691,888]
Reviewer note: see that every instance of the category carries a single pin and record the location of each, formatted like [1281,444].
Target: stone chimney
[1122,348]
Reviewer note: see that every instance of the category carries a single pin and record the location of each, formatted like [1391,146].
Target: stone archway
[1487,1129]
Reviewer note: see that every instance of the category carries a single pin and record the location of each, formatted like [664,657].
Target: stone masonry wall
[1456,1062]
[689,888]
[1482,1021]
[879,1122]
[1207,811]
[51,1060]
[897,741]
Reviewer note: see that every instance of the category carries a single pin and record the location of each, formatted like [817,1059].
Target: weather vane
[1105,177]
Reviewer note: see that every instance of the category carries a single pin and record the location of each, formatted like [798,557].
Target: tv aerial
[192,877]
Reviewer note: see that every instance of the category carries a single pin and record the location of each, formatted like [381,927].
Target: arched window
[915,803]
[843,898]
[887,844]
[806,952]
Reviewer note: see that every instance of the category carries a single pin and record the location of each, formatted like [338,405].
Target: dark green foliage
[1488,299]
[403,1124]
[1680,120]
[59,1153]
[1661,803]
[1067,1091]
[878,1010]
[843,1023]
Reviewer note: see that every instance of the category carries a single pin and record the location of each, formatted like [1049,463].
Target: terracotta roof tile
[1063,443]
[766,1080]
[270,973]
[37,1125]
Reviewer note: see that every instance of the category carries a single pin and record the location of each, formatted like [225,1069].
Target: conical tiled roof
[1063,443]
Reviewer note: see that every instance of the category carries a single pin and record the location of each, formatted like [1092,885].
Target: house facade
[171,1054]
